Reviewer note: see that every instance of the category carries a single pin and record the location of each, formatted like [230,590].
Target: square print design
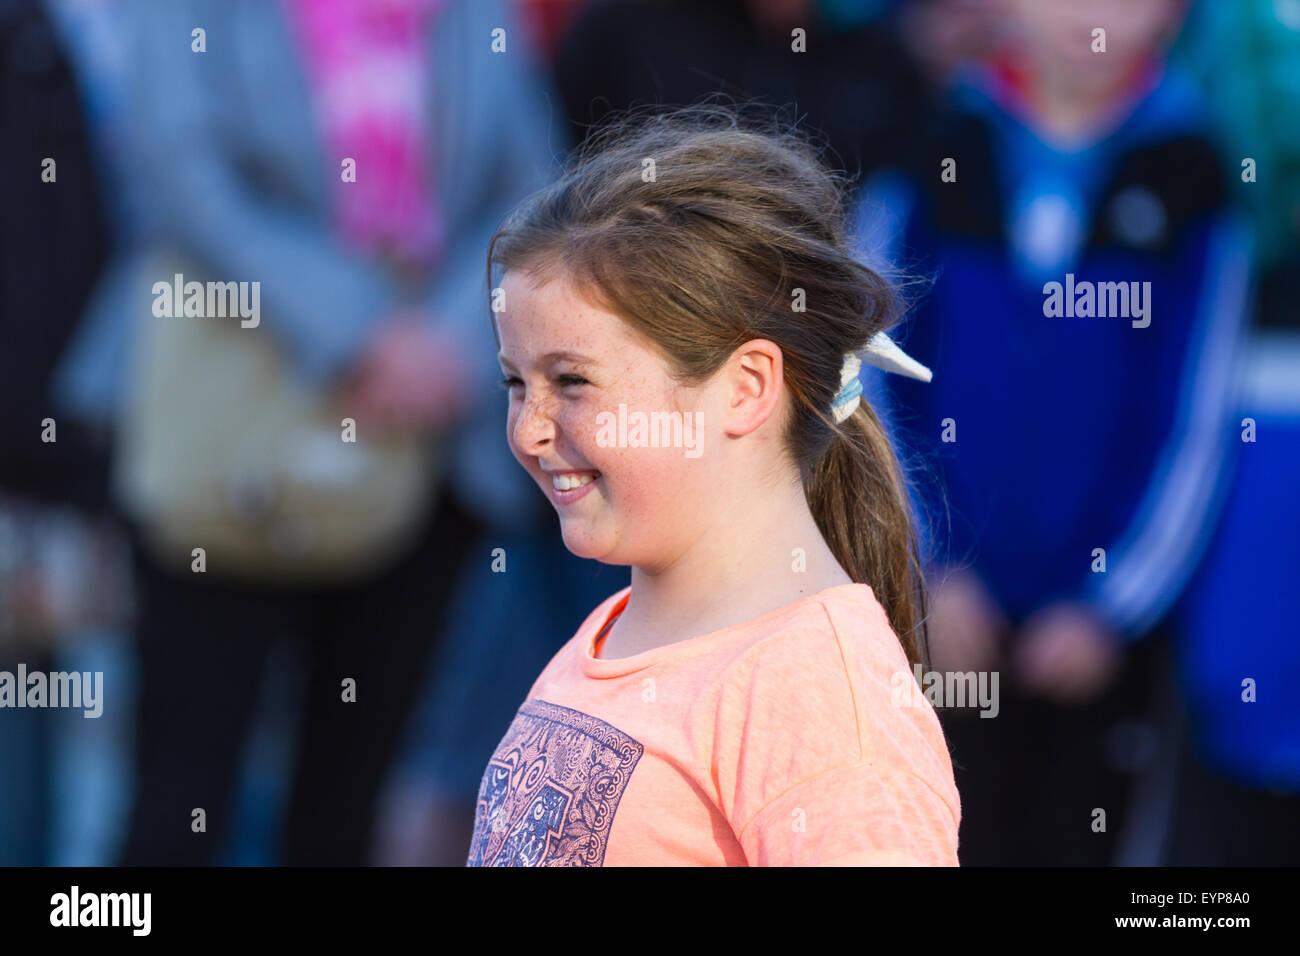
[551,790]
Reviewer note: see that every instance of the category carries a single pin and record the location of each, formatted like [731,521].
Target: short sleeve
[860,814]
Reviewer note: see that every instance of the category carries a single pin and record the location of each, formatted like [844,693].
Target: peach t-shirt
[778,741]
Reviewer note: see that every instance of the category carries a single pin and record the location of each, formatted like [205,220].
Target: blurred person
[50,265]
[1238,780]
[750,674]
[90,798]
[59,559]
[374,296]
[1082,453]
[851,80]
[1244,59]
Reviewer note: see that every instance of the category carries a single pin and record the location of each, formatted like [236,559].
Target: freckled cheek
[580,432]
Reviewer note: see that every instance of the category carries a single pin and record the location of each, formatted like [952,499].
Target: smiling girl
[737,704]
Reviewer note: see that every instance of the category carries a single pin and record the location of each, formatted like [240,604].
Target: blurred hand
[965,626]
[31,612]
[410,376]
[1065,651]
[404,829]
[415,828]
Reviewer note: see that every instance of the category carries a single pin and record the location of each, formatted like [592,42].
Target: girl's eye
[565,380]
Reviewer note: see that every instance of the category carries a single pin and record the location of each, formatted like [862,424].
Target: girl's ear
[752,379]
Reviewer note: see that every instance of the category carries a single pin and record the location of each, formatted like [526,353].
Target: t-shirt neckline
[599,667]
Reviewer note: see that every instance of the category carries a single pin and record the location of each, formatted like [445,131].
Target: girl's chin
[580,545]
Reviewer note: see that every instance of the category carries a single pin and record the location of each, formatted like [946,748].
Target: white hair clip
[882,353]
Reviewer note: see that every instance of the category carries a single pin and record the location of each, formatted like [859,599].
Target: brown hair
[697,226]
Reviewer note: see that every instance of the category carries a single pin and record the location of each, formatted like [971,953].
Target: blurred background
[319,649]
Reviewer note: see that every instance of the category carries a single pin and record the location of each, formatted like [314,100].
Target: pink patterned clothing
[783,740]
[368,67]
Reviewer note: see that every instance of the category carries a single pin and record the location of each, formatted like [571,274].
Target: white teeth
[569,482]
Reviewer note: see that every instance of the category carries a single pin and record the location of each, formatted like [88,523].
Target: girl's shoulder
[820,694]
[822,664]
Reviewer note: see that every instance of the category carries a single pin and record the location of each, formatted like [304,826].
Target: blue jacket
[1072,433]
[235,175]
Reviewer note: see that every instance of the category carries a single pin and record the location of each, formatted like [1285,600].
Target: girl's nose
[534,428]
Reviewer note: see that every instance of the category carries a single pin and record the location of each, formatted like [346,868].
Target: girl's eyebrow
[576,357]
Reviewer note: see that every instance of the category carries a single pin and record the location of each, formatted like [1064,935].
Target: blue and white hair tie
[882,353]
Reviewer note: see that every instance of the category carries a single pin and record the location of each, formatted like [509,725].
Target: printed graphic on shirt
[550,792]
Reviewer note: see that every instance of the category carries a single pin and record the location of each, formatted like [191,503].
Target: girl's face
[569,367]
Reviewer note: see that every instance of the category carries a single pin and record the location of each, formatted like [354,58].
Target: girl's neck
[744,565]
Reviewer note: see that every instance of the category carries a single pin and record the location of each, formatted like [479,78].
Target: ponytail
[858,497]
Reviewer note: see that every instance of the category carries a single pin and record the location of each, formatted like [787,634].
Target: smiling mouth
[569,481]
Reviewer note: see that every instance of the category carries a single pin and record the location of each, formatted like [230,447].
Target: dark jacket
[53,243]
